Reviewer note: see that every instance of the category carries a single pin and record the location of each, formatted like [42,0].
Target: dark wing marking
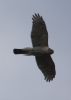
[47,66]
[39,34]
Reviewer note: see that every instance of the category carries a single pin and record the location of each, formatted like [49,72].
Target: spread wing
[47,66]
[39,36]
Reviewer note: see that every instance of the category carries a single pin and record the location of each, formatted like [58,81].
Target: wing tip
[49,78]
[36,17]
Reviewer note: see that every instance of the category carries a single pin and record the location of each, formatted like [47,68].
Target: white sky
[20,78]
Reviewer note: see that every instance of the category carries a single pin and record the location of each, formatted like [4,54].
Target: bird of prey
[40,49]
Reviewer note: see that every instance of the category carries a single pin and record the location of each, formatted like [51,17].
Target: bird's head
[50,51]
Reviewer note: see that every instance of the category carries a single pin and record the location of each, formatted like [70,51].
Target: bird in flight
[40,49]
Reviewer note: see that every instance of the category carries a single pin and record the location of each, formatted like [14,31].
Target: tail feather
[18,51]
[27,51]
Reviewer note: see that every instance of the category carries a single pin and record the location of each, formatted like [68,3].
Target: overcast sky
[20,78]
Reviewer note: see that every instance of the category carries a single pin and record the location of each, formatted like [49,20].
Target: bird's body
[34,51]
[40,50]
